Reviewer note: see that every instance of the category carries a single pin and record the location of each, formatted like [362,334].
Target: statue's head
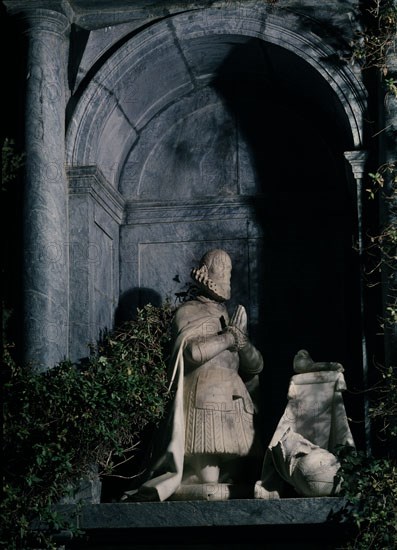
[213,274]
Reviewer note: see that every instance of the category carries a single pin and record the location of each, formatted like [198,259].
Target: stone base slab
[199,513]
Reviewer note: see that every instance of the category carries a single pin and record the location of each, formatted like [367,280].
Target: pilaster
[95,215]
[357,161]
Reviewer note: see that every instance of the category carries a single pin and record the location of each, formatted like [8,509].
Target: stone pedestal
[298,524]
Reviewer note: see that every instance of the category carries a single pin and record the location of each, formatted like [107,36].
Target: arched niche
[182,54]
[227,128]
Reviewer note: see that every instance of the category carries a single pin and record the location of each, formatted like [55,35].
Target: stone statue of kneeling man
[212,418]
[301,452]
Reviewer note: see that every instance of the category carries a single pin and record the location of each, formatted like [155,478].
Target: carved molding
[357,160]
[148,212]
[89,180]
[41,10]
[107,101]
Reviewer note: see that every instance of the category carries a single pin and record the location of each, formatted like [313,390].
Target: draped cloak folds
[192,319]
[314,417]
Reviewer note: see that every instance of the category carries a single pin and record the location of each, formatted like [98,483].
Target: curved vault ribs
[101,99]
[169,131]
[103,109]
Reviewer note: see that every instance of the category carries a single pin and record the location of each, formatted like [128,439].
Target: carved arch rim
[99,100]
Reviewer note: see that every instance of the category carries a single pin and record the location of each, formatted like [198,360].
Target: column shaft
[357,161]
[46,265]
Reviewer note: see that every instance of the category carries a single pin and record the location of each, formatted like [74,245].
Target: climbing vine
[373,44]
[370,482]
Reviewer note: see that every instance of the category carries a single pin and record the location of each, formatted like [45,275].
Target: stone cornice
[131,11]
[89,15]
[93,15]
[147,212]
[47,8]
[89,180]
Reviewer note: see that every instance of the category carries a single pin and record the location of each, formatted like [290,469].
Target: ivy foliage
[370,487]
[368,482]
[59,423]
[384,406]
[377,40]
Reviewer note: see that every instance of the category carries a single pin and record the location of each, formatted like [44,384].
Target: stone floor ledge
[247,512]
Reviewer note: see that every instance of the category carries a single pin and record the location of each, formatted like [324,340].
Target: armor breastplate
[218,386]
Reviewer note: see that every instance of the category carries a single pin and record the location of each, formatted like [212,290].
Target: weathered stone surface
[180,244]
[95,214]
[46,259]
[194,48]
[191,151]
[203,513]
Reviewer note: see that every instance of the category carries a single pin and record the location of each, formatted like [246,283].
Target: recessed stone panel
[159,256]
[172,275]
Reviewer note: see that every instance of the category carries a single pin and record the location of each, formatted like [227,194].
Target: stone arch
[131,121]
[131,87]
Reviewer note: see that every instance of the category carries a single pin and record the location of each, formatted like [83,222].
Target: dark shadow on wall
[308,270]
[133,299]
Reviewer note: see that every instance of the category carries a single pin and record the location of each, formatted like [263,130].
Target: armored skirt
[219,413]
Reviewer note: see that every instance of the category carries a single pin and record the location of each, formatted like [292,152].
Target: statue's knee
[207,468]
[209,474]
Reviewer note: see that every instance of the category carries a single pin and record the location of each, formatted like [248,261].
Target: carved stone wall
[95,214]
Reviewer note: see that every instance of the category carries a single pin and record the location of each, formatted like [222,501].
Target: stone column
[357,161]
[46,263]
